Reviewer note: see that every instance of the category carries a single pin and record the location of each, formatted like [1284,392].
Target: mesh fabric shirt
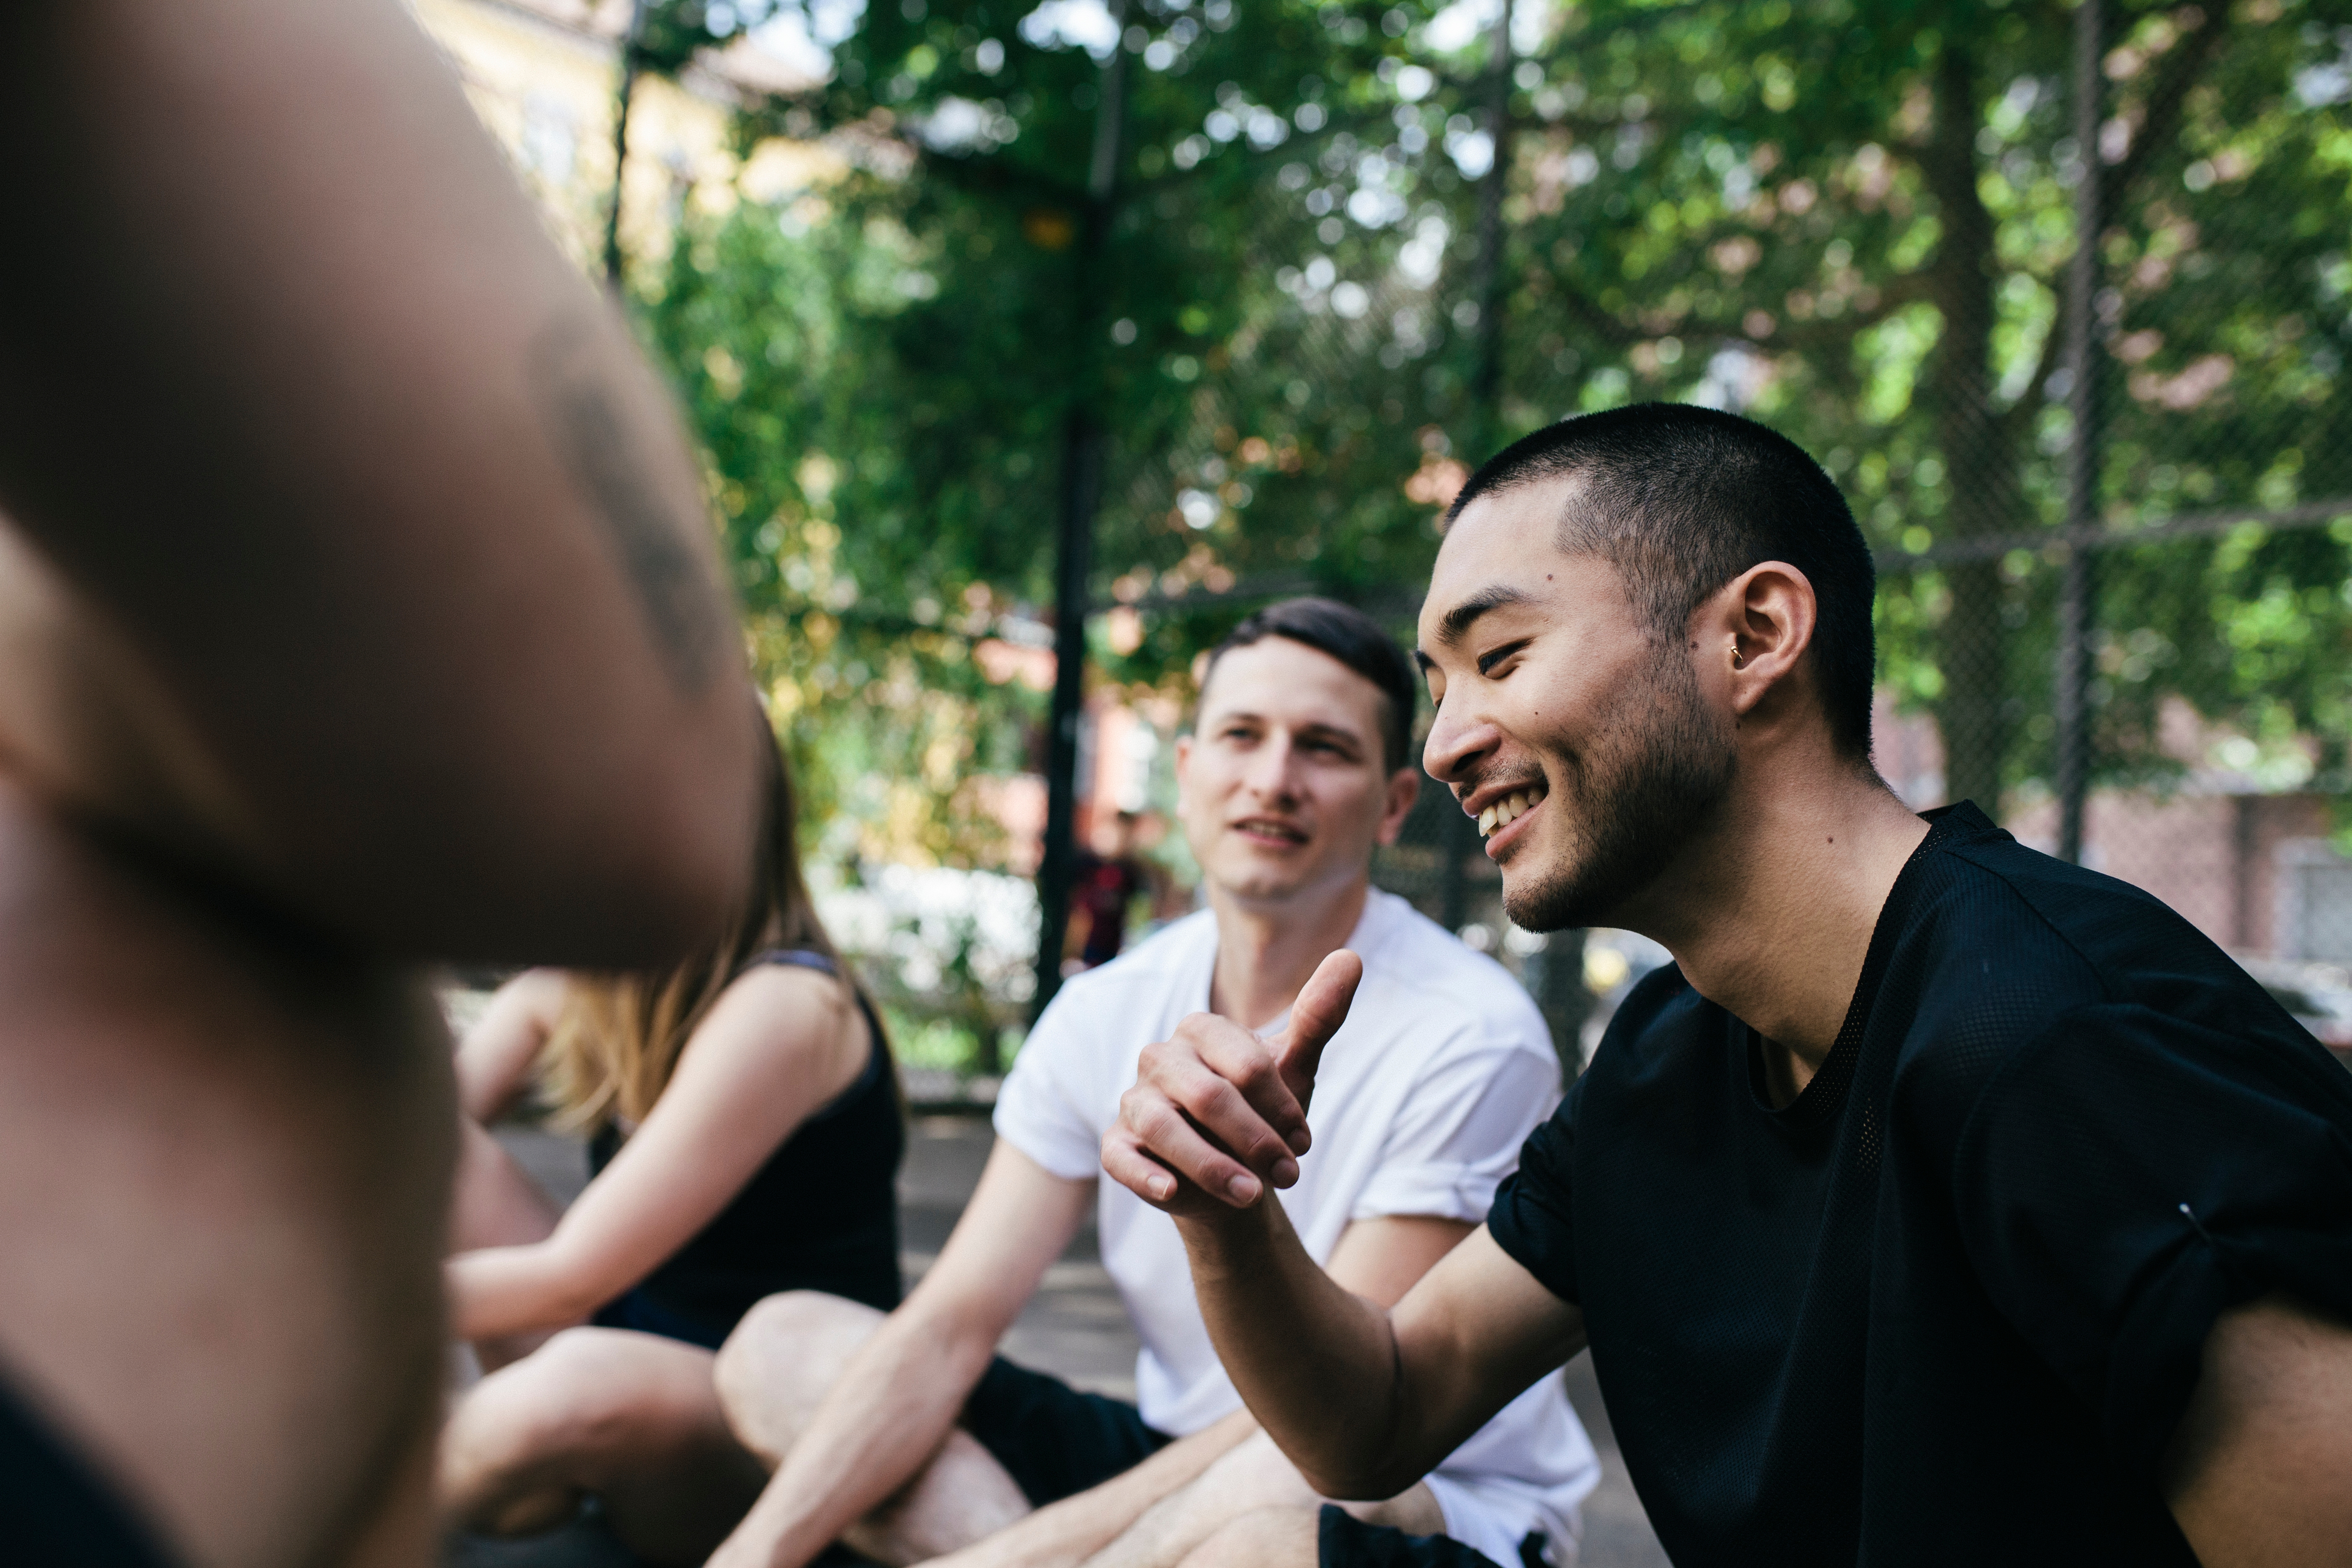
[1947,1305]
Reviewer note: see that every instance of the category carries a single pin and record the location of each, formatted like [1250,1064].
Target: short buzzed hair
[1681,499]
[1352,637]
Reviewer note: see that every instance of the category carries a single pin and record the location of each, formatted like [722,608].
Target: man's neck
[1770,913]
[1267,949]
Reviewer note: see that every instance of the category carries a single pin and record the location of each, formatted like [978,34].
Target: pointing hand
[1217,1114]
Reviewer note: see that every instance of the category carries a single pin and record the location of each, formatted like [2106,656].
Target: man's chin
[1555,897]
[1250,877]
[1545,906]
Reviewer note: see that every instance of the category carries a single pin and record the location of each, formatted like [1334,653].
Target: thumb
[1315,1018]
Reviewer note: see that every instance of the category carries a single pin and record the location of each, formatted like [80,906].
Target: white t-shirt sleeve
[1458,1133]
[1040,1109]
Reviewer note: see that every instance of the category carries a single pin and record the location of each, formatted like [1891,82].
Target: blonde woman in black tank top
[745,1127]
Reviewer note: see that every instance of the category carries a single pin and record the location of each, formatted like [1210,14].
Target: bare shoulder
[541,990]
[800,1023]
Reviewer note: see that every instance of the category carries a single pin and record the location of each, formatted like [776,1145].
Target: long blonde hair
[619,1035]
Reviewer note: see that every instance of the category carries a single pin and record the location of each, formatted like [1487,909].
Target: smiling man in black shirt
[1943,1203]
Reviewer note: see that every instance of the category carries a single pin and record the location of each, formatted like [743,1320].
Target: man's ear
[1403,789]
[1750,636]
[1183,762]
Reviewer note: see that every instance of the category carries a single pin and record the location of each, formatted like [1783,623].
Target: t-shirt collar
[1364,942]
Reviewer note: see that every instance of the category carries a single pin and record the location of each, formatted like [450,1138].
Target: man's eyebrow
[1456,624]
[1321,731]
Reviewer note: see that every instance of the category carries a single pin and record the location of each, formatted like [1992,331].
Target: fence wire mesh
[2132,551]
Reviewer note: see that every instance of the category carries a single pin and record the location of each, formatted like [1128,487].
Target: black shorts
[1343,1540]
[1052,1439]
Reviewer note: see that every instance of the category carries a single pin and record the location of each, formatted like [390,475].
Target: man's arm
[1365,1402]
[898,1398]
[380,567]
[2259,1472]
[1377,1260]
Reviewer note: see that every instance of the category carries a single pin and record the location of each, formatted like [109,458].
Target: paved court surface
[1075,1328]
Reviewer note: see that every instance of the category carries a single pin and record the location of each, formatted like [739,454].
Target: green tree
[1855,223]
[1851,222]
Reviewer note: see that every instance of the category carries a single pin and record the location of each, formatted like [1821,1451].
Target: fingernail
[1160,1186]
[1243,1189]
[1285,1172]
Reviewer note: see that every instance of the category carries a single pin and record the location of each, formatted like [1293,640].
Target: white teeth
[1505,811]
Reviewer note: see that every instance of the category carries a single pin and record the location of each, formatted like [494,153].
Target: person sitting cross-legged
[724,1093]
[905,1437]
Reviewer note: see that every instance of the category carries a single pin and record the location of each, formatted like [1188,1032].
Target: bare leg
[1252,1479]
[227,1289]
[777,1368]
[1282,1537]
[629,1416]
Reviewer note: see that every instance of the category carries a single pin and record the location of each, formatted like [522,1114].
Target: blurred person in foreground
[745,1131]
[908,1437]
[357,609]
[1942,1203]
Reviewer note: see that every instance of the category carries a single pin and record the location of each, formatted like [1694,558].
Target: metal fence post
[1084,439]
[2073,708]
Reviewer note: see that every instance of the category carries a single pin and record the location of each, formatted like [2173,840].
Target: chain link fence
[2110,487]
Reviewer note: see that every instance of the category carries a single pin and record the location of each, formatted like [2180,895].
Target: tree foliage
[1850,221]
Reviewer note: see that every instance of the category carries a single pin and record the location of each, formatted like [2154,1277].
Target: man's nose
[1269,771]
[1457,742]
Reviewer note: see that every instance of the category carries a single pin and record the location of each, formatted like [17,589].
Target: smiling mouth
[1508,809]
[1259,828]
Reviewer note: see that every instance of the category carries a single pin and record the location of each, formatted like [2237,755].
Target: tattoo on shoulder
[592,435]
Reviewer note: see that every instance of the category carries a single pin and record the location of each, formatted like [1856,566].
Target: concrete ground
[1075,1328]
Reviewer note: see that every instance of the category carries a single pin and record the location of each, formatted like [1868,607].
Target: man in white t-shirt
[908,1439]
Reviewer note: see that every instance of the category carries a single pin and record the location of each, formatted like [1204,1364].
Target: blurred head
[1298,762]
[1112,834]
[612,1050]
[1576,604]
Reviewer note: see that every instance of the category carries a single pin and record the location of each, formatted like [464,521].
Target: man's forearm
[1315,1363]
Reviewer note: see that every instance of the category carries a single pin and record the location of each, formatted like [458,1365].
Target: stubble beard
[1639,795]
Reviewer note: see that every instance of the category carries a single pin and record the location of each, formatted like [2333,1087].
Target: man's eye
[1490,662]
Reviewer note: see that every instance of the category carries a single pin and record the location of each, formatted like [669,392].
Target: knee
[781,1360]
[561,1399]
[1282,1537]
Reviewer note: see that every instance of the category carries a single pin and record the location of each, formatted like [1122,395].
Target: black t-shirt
[1947,1306]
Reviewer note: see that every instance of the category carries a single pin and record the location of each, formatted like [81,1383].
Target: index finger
[1315,1018]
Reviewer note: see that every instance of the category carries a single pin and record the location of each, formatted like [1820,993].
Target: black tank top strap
[877,1055]
[792,958]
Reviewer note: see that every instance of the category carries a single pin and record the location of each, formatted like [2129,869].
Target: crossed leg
[1280,1536]
[1251,1506]
[631,1418]
[777,1368]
